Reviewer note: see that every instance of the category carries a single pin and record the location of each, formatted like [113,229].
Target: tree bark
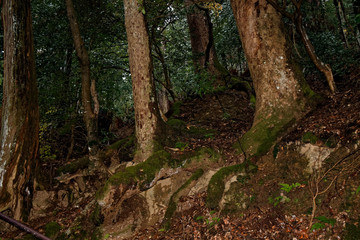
[296,18]
[279,84]
[148,123]
[19,138]
[202,40]
[89,100]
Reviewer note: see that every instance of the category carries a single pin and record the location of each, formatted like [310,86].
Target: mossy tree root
[172,203]
[139,176]
[216,185]
[264,134]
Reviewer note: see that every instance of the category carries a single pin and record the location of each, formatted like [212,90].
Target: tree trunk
[148,123]
[342,22]
[19,139]
[89,100]
[324,68]
[279,84]
[356,7]
[202,40]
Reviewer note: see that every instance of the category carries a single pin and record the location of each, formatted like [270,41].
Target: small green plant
[279,199]
[182,146]
[210,222]
[357,190]
[321,224]
[282,198]
[213,221]
[287,188]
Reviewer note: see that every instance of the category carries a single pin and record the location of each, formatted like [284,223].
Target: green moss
[352,232]
[201,132]
[207,153]
[216,185]
[175,109]
[172,203]
[142,173]
[81,163]
[309,137]
[176,123]
[29,237]
[123,143]
[263,135]
[52,229]
[96,216]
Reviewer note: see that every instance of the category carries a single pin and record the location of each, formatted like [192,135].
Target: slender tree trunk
[279,84]
[148,123]
[88,93]
[202,40]
[19,139]
[356,7]
[342,22]
[324,68]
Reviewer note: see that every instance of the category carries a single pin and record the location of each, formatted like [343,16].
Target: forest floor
[230,114]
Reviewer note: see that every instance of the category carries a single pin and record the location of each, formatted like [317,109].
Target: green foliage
[321,224]
[182,146]
[357,190]
[282,198]
[287,188]
[279,199]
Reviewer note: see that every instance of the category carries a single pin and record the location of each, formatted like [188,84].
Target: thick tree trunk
[202,40]
[88,93]
[19,139]
[279,84]
[148,123]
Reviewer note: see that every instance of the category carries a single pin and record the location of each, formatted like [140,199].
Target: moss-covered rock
[216,185]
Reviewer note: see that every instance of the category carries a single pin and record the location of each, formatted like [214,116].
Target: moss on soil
[309,137]
[52,229]
[172,203]
[216,185]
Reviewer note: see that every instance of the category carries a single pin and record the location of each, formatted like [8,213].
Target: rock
[42,201]
[63,198]
[316,155]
